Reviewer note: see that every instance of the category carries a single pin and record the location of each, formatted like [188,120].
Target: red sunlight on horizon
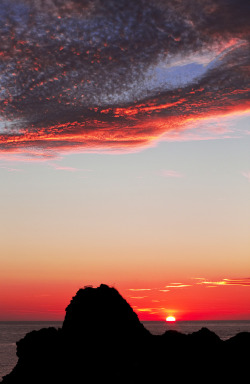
[176,302]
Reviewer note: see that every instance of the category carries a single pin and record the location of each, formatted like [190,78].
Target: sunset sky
[125,156]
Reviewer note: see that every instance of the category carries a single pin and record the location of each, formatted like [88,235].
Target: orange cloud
[225,282]
[138,297]
[139,289]
[178,285]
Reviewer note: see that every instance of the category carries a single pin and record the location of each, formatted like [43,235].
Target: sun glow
[170,318]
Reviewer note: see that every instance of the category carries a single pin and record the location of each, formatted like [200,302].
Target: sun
[170,319]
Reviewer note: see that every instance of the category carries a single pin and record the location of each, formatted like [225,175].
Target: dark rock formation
[103,341]
[105,311]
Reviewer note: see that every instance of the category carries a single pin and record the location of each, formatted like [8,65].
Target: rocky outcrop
[104,311]
[102,340]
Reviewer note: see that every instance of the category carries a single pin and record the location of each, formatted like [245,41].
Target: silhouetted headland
[103,341]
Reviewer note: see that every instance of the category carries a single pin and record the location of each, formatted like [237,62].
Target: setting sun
[170,318]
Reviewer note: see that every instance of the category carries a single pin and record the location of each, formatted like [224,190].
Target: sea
[12,331]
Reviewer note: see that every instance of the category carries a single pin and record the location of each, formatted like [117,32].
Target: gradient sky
[124,156]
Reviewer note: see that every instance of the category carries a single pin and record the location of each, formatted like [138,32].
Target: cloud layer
[79,74]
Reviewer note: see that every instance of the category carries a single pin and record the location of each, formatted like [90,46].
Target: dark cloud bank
[84,74]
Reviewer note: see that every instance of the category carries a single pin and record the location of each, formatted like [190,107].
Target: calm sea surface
[10,332]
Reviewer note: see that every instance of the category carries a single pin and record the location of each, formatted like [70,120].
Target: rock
[240,341]
[102,313]
[237,356]
[204,337]
[38,354]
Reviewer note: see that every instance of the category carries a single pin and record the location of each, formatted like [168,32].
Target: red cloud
[76,76]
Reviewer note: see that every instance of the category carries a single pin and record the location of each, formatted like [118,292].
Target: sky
[124,156]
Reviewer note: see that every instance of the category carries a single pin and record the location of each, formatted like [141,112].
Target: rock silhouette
[103,341]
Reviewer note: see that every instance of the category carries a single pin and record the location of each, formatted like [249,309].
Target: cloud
[82,75]
[177,285]
[246,175]
[139,289]
[200,281]
[63,168]
[171,173]
[138,297]
[145,310]
[225,282]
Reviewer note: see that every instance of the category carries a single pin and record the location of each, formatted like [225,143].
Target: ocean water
[224,329]
[11,332]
